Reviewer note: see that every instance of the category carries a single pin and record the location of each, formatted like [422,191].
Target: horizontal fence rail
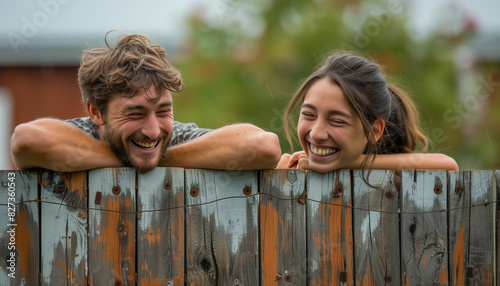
[175,226]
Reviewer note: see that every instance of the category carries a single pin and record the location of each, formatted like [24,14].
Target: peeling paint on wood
[26,244]
[160,234]
[112,227]
[424,228]
[64,247]
[471,237]
[376,230]
[222,233]
[282,227]
[329,228]
[209,227]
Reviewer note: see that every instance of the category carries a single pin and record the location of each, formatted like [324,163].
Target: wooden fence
[270,227]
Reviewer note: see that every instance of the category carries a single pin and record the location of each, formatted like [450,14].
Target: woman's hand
[297,160]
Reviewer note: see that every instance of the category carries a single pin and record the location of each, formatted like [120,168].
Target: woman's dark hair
[370,97]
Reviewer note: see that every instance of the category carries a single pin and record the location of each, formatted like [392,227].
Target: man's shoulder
[186,131]
[86,125]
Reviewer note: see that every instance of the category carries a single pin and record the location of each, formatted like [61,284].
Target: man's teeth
[323,152]
[149,146]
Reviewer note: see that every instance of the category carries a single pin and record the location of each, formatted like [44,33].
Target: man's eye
[163,113]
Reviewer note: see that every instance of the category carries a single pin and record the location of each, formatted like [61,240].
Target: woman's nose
[318,132]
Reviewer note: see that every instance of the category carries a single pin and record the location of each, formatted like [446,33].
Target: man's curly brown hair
[135,63]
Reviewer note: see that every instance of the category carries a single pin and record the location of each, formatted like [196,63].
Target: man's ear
[95,114]
[378,128]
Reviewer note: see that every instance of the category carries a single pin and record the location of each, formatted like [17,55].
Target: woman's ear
[378,128]
[95,114]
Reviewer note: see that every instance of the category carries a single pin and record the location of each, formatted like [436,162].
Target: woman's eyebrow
[330,112]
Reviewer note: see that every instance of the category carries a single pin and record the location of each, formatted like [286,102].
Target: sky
[91,17]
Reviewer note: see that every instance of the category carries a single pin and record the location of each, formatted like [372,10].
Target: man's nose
[151,127]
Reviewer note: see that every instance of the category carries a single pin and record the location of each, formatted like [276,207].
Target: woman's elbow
[451,164]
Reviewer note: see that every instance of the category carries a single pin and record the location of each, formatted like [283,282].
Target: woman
[351,118]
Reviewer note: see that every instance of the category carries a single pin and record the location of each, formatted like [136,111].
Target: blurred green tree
[245,64]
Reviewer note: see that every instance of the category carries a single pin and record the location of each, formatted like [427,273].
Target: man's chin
[145,169]
[143,165]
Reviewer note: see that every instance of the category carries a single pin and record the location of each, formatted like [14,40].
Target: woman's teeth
[324,152]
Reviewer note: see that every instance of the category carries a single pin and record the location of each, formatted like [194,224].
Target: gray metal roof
[54,50]
[67,50]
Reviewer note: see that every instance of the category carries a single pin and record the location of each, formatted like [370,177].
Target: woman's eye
[338,122]
[307,114]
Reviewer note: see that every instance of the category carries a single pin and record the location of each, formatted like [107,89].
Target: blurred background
[242,61]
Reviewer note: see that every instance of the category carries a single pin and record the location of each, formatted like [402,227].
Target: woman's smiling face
[330,132]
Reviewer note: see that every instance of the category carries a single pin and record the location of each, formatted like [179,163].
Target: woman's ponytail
[402,132]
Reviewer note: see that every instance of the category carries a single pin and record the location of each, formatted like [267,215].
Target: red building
[38,78]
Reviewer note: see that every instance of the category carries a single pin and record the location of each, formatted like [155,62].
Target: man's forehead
[143,99]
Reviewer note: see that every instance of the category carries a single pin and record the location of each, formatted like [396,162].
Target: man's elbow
[269,149]
[20,145]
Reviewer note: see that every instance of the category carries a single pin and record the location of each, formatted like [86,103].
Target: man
[127,93]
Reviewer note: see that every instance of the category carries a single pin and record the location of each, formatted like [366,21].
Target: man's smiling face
[137,128]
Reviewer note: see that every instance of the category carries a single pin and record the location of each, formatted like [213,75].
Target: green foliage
[246,71]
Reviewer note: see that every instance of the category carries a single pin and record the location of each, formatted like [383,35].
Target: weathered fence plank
[64,212]
[329,229]
[424,227]
[497,225]
[160,227]
[283,228]
[459,225]
[471,234]
[112,226]
[20,228]
[376,228]
[221,227]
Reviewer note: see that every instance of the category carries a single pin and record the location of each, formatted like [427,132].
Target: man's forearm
[56,145]
[233,147]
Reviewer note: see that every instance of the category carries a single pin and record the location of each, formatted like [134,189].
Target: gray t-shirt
[182,132]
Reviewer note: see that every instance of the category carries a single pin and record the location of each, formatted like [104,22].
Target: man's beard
[116,144]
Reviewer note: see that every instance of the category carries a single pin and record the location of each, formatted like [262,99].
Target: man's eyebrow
[330,112]
[165,104]
[142,107]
